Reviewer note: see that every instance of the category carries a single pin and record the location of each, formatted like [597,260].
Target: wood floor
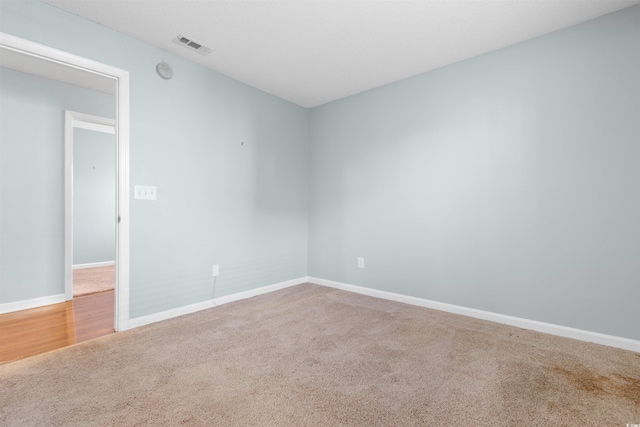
[29,332]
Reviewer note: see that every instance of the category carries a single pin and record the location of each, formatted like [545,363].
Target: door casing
[121,80]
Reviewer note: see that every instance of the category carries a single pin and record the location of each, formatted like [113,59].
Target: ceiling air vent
[192,44]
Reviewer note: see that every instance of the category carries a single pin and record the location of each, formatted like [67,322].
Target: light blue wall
[32,180]
[94,196]
[243,207]
[509,182]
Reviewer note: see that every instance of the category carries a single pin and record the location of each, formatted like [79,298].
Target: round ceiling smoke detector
[164,70]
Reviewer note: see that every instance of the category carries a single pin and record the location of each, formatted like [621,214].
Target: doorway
[90,201]
[36,59]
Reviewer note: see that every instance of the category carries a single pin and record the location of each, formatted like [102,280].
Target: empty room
[319,213]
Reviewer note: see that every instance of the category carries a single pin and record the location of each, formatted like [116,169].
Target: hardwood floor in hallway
[29,332]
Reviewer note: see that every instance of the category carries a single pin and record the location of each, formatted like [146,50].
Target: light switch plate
[145,192]
[360,262]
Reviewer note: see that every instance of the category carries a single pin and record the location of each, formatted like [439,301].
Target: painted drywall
[229,163]
[509,182]
[32,180]
[94,196]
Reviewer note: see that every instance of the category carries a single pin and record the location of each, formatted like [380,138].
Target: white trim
[534,325]
[259,291]
[73,120]
[93,265]
[188,309]
[9,307]
[122,204]
[110,129]
[68,205]
[121,78]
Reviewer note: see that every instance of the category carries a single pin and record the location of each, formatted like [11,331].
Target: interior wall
[32,113]
[229,163]
[94,197]
[507,183]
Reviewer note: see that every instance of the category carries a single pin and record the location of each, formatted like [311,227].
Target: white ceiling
[311,52]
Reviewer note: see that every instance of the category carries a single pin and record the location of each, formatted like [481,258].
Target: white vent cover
[192,44]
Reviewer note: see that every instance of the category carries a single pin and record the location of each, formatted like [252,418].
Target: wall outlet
[215,270]
[360,262]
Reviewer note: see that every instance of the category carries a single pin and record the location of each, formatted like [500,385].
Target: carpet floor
[93,280]
[315,356]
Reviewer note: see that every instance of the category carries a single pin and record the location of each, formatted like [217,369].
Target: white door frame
[74,120]
[121,80]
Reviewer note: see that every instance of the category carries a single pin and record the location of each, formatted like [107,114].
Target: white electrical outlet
[360,262]
[215,270]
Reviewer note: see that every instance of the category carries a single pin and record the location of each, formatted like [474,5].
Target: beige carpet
[314,356]
[92,280]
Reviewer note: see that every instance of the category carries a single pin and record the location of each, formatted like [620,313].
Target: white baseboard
[534,325]
[94,265]
[192,308]
[548,328]
[9,307]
